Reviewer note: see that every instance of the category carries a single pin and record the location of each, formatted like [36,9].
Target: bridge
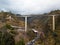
[53,19]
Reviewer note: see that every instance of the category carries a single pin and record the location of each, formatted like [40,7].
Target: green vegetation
[21,42]
[6,39]
[8,33]
[9,27]
[31,34]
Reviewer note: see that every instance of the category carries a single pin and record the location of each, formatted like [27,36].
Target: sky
[26,7]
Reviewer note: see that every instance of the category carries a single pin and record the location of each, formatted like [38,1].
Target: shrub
[21,42]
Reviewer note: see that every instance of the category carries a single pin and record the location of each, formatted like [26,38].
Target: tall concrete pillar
[53,22]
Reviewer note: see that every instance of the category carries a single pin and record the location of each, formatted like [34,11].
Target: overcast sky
[29,6]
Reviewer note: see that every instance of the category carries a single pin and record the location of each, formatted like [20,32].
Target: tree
[8,39]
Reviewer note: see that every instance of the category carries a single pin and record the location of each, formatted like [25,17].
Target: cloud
[4,5]
[30,6]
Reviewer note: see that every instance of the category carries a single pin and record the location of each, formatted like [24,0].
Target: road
[35,39]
